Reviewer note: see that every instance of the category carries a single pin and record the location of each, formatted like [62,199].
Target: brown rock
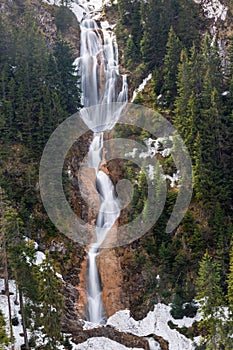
[126,339]
[112,280]
[81,303]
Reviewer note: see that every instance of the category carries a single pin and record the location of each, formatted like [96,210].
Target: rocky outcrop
[72,279]
[126,339]
[129,340]
[81,300]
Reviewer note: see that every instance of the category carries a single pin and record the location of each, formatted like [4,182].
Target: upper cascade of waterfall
[99,69]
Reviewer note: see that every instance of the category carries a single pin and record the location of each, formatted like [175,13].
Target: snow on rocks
[81,8]
[156,322]
[103,344]
[40,256]
[213,9]
[141,87]
[162,146]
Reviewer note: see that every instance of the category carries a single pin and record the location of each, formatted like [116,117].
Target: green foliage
[39,89]
[144,26]
[181,309]
[211,299]
[50,294]
[171,60]
[63,18]
[15,321]
[230,284]
[4,340]
[200,120]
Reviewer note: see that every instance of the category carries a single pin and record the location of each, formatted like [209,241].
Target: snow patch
[40,257]
[156,322]
[174,179]
[15,309]
[141,87]
[103,344]
[213,9]
[82,8]
[162,146]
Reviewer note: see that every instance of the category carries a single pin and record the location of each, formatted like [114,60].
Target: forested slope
[187,47]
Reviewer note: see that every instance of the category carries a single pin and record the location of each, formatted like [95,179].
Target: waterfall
[98,68]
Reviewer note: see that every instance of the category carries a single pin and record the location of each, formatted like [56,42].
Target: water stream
[100,77]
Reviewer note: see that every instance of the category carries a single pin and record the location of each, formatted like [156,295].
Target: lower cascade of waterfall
[108,213]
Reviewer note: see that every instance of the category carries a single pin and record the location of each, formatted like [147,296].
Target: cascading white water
[98,67]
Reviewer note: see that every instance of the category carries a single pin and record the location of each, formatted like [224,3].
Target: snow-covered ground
[156,322]
[213,9]
[101,343]
[15,312]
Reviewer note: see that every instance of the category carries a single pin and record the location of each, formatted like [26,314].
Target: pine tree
[51,304]
[4,340]
[211,299]
[230,285]
[172,58]
[182,121]
[67,78]
[3,241]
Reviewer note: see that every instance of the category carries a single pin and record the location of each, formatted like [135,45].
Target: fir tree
[211,299]
[172,58]
[4,340]
[51,304]
[67,79]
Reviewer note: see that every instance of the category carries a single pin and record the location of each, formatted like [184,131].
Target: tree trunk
[5,263]
[23,320]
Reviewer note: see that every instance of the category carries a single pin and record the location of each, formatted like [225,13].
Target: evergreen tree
[182,120]
[172,58]
[67,79]
[4,340]
[51,304]
[154,32]
[211,299]
[4,258]
[230,284]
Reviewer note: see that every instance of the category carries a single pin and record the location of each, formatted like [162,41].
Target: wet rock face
[112,279]
[81,300]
